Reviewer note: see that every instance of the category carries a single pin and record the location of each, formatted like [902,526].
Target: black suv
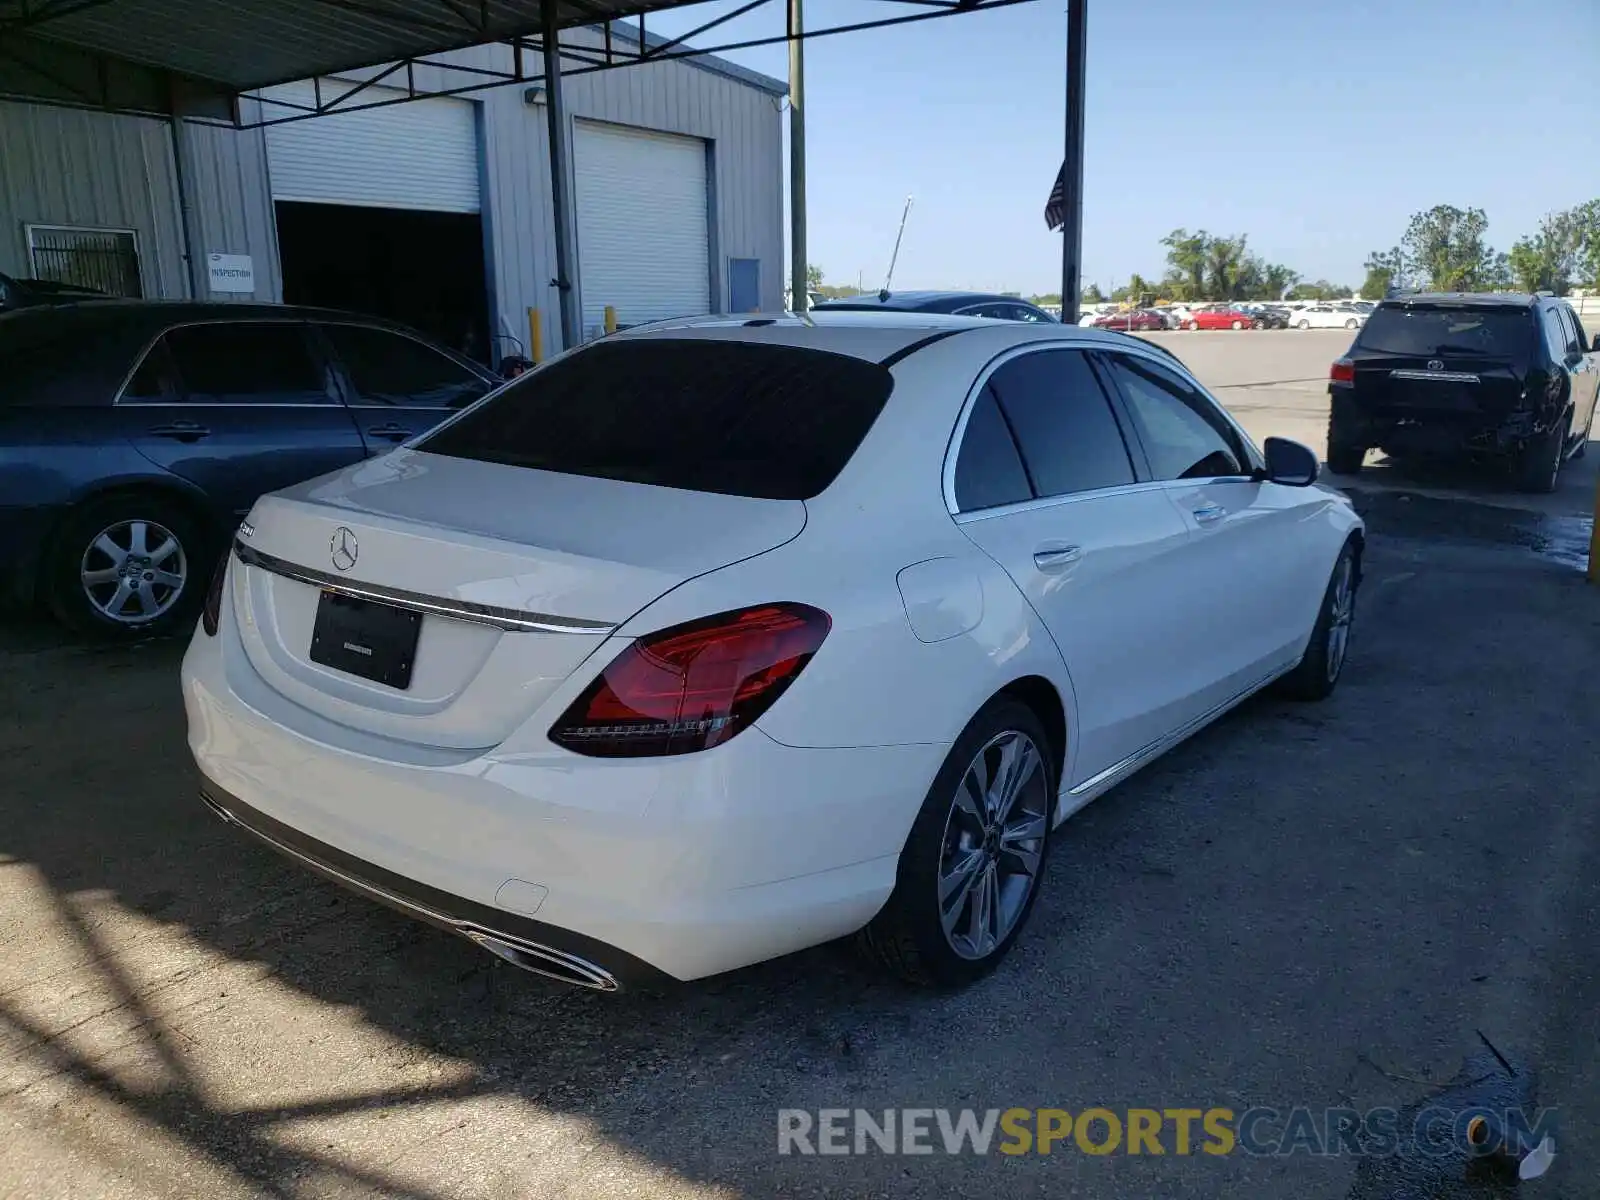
[1509,376]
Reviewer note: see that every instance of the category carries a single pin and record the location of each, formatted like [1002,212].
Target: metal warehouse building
[435,212]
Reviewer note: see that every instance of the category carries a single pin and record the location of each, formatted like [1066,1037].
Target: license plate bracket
[366,638]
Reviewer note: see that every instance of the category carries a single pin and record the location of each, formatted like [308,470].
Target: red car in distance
[1137,319]
[1219,318]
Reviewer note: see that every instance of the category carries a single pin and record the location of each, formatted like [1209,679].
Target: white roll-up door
[642,241]
[419,155]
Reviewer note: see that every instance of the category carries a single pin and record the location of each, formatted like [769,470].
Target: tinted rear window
[1421,331]
[52,356]
[737,418]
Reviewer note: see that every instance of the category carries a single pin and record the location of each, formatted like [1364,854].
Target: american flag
[1055,208]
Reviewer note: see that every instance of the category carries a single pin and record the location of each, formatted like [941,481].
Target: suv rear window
[738,418]
[1423,331]
[53,356]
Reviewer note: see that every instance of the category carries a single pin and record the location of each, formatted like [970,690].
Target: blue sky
[1314,126]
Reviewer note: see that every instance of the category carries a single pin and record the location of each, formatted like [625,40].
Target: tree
[1276,280]
[1549,259]
[813,276]
[1446,244]
[1224,258]
[1320,290]
[1587,219]
[1186,256]
[1385,269]
[1091,295]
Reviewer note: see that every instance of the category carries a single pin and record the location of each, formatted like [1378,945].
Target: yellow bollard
[1594,539]
[611,319]
[535,335]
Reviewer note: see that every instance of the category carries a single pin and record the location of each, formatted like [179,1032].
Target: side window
[1572,330]
[1555,334]
[1063,423]
[392,369]
[1583,334]
[1184,436]
[1021,312]
[244,363]
[151,382]
[988,470]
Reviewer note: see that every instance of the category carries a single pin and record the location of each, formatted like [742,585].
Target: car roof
[919,301]
[1475,299]
[887,334]
[174,312]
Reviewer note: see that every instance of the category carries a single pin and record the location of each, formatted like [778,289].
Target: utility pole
[799,300]
[1072,168]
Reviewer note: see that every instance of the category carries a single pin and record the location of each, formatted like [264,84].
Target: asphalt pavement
[1313,906]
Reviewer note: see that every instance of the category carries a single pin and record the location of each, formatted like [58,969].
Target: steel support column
[1072,169]
[561,198]
[194,251]
[798,299]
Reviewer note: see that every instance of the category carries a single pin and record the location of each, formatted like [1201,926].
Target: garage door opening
[424,269]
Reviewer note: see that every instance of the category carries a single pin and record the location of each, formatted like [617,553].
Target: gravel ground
[1303,905]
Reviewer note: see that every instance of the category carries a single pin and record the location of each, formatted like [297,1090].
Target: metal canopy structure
[197,59]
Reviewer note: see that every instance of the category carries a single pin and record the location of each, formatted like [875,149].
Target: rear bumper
[1403,427]
[639,868]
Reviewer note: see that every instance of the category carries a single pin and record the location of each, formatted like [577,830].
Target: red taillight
[1343,371]
[694,686]
[211,615]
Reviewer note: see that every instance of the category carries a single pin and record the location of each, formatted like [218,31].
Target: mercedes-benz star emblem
[1435,365]
[343,548]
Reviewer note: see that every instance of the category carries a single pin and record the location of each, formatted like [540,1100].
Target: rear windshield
[1421,331]
[737,418]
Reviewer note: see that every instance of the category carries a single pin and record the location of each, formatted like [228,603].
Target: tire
[1538,467]
[1238,324]
[1350,324]
[1192,325]
[917,936]
[167,544]
[1318,671]
[1304,324]
[1347,439]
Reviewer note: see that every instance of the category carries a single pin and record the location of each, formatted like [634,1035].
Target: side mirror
[1290,463]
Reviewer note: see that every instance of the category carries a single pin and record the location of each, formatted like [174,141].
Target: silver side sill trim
[1075,798]
[515,619]
[519,952]
[1436,376]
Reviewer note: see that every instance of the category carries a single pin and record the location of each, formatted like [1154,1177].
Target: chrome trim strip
[513,949]
[1436,376]
[1161,745]
[514,619]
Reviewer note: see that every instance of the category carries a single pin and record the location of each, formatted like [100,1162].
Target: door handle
[180,431]
[1053,558]
[1209,513]
[395,433]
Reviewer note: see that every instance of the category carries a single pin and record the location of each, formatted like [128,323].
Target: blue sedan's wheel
[129,565]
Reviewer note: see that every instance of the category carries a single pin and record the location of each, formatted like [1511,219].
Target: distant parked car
[1271,316]
[968,304]
[123,471]
[30,293]
[1219,318]
[1134,320]
[1511,376]
[1327,316]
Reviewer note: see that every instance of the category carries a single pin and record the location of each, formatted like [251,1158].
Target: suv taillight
[211,615]
[1342,371]
[693,686]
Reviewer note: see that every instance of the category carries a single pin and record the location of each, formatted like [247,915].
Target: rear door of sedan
[397,386]
[1042,481]
[238,408]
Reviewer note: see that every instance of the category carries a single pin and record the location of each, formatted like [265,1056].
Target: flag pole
[1072,165]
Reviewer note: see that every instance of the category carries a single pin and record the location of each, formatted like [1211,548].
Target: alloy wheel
[134,571]
[993,844]
[1341,613]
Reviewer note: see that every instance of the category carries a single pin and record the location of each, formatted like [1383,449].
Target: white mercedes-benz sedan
[724,637]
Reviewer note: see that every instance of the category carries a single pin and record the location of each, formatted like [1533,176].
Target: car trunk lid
[508,579]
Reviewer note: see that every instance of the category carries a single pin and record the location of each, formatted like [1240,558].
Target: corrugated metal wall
[60,166]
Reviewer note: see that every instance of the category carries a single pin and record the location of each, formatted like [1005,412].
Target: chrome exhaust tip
[542,960]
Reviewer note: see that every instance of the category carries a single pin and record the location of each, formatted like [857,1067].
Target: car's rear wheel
[128,565]
[970,870]
[1347,439]
[1238,324]
[1192,325]
[1350,324]
[1320,668]
[1304,324]
[1538,466]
